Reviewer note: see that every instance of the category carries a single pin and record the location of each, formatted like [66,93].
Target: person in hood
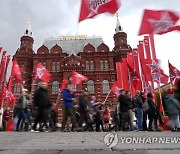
[173,110]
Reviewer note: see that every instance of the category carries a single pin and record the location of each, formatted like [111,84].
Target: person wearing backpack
[152,112]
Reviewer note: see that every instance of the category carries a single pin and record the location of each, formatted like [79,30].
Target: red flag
[151,37]
[159,76]
[159,22]
[124,72]
[136,82]
[119,74]
[140,50]
[115,89]
[78,78]
[42,73]
[8,95]
[137,67]
[2,66]
[147,47]
[17,71]
[63,85]
[91,8]
[149,65]
[130,60]
[174,74]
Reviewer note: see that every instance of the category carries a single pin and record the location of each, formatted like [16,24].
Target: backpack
[145,106]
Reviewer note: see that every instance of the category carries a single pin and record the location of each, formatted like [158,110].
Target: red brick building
[86,55]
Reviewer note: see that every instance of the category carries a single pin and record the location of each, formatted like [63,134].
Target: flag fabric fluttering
[17,71]
[174,74]
[42,73]
[78,78]
[116,89]
[91,8]
[160,77]
[135,79]
[149,65]
[159,22]
[63,85]
[9,97]
[2,65]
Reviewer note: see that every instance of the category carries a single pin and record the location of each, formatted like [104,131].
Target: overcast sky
[52,18]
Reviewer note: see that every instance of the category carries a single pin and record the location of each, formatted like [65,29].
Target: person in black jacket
[43,104]
[124,107]
[83,107]
[152,112]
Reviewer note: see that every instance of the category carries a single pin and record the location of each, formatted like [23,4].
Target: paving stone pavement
[88,143]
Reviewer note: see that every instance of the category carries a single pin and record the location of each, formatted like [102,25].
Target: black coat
[82,104]
[124,105]
[41,98]
[152,107]
[137,102]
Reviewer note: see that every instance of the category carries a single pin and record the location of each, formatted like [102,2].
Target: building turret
[24,56]
[120,42]
[27,40]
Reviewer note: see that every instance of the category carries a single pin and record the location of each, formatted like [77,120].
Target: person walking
[43,104]
[68,98]
[21,106]
[173,110]
[83,107]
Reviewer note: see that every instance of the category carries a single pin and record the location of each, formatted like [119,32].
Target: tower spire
[118,26]
[28,31]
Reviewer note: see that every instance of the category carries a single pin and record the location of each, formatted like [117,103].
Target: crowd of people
[139,113]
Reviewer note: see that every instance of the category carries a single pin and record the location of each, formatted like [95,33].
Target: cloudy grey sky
[52,18]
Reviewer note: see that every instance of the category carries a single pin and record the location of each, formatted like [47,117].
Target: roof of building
[73,44]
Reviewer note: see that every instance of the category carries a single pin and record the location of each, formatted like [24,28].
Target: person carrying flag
[68,98]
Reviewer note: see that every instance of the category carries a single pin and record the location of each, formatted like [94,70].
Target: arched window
[58,66]
[105,86]
[87,65]
[101,65]
[90,86]
[106,65]
[53,66]
[92,65]
[55,87]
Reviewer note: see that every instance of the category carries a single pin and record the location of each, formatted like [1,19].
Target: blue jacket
[67,97]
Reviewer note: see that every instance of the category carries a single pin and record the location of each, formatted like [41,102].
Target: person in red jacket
[106,118]
[6,117]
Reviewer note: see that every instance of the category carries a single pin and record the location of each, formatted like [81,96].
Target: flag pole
[106,97]
[58,98]
[160,97]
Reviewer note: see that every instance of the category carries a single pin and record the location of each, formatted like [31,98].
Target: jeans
[139,116]
[174,121]
[21,118]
